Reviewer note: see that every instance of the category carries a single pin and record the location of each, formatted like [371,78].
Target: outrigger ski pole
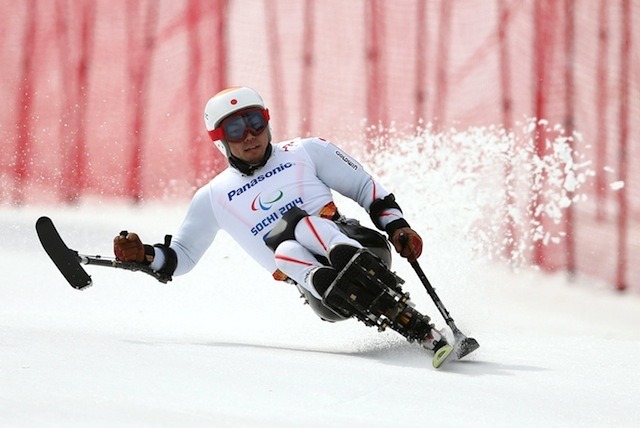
[69,262]
[464,345]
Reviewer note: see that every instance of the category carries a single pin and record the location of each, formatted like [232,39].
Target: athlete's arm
[344,174]
[194,236]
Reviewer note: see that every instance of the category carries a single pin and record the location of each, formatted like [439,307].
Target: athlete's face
[252,149]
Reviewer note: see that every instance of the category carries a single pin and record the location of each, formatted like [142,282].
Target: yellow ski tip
[441,355]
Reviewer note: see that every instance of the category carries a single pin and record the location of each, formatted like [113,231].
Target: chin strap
[247,169]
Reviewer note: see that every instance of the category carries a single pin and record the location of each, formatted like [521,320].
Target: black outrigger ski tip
[465,345]
[67,261]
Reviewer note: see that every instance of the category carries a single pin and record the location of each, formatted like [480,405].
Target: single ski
[441,355]
[460,349]
[67,261]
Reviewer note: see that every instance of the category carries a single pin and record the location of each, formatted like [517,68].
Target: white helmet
[225,103]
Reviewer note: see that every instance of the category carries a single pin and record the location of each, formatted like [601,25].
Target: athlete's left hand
[408,243]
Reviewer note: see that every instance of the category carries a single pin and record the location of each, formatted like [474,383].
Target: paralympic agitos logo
[265,202]
[239,191]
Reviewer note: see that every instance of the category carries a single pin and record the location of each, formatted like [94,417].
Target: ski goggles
[235,129]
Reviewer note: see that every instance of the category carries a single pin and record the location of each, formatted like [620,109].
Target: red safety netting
[105,98]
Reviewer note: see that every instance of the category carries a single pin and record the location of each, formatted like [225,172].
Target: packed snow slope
[227,346]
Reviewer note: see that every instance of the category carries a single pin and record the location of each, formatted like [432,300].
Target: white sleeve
[345,175]
[195,235]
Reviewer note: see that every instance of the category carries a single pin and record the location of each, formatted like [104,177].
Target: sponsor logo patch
[239,191]
[347,160]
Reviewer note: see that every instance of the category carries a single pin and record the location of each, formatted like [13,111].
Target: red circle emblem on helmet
[234,101]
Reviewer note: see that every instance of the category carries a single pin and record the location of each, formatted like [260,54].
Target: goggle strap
[217,134]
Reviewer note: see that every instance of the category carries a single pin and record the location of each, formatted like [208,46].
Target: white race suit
[299,172]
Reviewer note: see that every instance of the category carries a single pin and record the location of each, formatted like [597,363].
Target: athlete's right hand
[128,247]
